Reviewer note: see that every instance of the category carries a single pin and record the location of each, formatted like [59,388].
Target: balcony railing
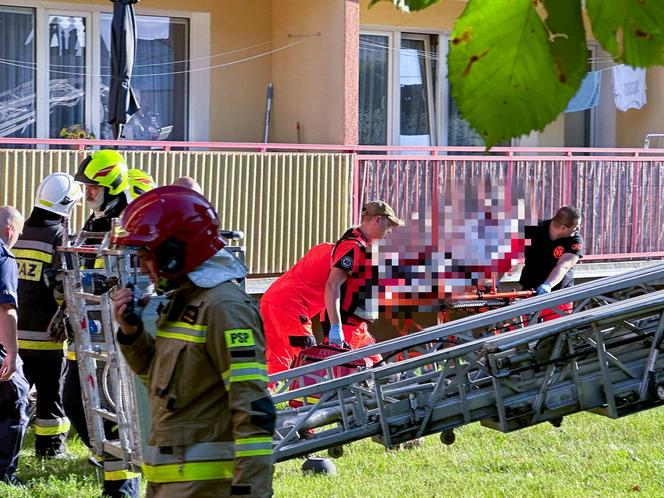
[288,197]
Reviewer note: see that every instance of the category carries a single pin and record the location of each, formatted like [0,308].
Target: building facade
[342,73]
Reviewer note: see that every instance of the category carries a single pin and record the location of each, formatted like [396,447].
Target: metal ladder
[110,391]
[107,384]
[603,358]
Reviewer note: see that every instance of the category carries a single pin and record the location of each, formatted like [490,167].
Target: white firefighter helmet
[58,193]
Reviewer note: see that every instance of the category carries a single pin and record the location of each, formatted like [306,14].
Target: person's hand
[8,367]
[543,289]
[122,297]
[336,334]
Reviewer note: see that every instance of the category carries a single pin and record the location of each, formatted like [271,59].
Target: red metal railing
[618,191]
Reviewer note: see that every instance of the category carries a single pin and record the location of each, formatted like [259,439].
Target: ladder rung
[88,297]
[113,448]
[105,414]
[97,355]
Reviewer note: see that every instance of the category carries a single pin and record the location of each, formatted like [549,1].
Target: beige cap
[381,208]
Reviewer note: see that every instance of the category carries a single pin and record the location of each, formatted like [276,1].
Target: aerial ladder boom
[603,358]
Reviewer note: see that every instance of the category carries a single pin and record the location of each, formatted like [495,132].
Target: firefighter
[555,247]
[139,182]
[105,177]
[212,416]
[37,258]
[290,303]
[13,385]
[348,287]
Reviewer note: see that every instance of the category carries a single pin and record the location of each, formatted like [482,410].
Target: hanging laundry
[587,96]
[29,39]
[629,87]
[54,34]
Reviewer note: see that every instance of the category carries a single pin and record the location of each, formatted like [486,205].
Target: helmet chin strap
[166,285]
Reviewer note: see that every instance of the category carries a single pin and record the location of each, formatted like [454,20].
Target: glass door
[67,63]
[374,88]
[160,79]
[17,80]
[416,96]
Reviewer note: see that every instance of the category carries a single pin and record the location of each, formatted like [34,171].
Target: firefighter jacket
[101,222]
[36,253]
[212,416]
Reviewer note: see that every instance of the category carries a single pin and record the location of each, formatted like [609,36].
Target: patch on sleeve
[576,247]
[236,338]
[346,262]
[30,270]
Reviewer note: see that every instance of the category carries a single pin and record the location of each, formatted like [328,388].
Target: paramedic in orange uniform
[348,286]
[289,305]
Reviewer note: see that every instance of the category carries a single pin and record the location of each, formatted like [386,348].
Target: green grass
[588,456]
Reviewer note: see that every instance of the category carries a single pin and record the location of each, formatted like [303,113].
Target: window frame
[389,114]
[431,92]
[198,83]
[437,105]
[19,8]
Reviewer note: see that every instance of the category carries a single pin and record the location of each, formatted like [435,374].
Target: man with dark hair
[555,247]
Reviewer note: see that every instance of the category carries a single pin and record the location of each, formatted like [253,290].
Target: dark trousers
[13,420]
[73,403]
[46,373]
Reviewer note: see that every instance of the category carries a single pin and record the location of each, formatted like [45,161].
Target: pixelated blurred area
[470,236]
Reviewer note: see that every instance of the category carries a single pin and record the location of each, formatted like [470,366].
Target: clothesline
[22,65]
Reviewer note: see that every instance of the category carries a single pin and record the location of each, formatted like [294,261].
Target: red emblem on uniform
[558,251]
[576,247]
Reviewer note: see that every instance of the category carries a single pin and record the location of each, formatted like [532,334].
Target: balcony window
[18,75]
[160,79]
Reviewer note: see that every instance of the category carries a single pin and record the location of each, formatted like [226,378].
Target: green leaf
[514,65]
[408,5]
[630,30]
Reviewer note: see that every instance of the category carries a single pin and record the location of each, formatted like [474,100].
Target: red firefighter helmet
[178,226]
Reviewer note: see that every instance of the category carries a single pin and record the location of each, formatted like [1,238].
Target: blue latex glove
[543,289]
[336,334]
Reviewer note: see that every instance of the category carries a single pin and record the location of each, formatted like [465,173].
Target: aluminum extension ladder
[603,358]
[111,393]
[107,385]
